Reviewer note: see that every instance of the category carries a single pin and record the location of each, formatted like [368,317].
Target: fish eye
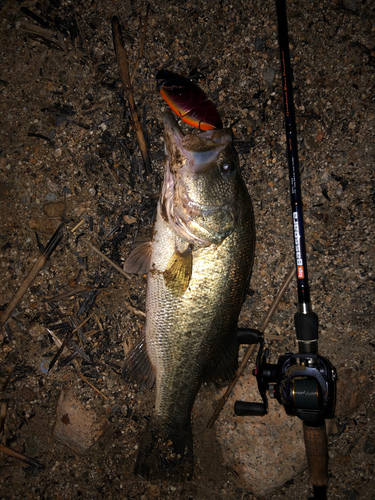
[228,167]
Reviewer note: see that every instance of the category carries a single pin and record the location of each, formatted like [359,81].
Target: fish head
[201,184]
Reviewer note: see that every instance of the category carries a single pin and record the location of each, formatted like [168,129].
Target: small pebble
[350,5]
[269,75]
[51,196]
[258,43]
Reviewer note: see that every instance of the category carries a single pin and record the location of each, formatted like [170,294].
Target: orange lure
[188,101]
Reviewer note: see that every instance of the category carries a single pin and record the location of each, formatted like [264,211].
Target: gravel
[66,139]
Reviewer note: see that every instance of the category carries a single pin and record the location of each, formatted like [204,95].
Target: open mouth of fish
[188,156]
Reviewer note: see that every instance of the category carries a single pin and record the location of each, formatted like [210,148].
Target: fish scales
[199,266]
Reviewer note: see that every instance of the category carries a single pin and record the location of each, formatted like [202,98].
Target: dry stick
[64,344]
[113,173]
[77,225]
[4,10]
[251,348]
[125,79]
[20,456]
[75,365]
[98,252]
[6,383]
[3,412]
[52,244]
[91,332]
[143,39]
[85,321]
[59,344]
[135,311]
[89,383]
[67,295]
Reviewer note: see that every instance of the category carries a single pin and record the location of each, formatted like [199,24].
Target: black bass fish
[199,263]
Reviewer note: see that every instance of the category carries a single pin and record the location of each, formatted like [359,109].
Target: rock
[268,451]
[269,75]
[265,452]
[258,43]
[54,209]
[51,196]
[44,225]
[353,388]
[76,427]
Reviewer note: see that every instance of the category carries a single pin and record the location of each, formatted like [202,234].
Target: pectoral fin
[139,260]
[178,272]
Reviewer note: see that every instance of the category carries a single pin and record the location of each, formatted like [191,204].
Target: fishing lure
[188,101]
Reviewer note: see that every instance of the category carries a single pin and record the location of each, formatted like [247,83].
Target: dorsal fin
[139,260]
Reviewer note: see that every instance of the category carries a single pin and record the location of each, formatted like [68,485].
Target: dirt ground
[68,153]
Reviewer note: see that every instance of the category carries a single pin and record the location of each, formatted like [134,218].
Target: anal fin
[137,366]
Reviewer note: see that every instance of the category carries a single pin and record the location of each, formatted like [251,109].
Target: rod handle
[317,453]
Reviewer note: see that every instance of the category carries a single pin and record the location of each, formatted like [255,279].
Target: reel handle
[244,408]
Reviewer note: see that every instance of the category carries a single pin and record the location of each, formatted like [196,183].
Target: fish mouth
[187,155]
[196,152]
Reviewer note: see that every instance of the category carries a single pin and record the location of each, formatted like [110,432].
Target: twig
[98,252]
[86,320]
[91,332]
[6,383]
[67,295]
[39,20]
[3,412]
[7,6]
[42,35]
[20,456]
[90,384]
[143,39]
[125,79]
[98,322]
[67,341]
[113,173]
[251,348]
[77,329]
[64,343]
[135,311]
[58,345]
[52,244]
[79,29]
[75,365]
[37,30]
[78,225]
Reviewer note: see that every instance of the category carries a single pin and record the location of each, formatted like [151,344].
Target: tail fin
[165,453]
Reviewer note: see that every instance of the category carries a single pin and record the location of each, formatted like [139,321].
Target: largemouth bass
[199,263]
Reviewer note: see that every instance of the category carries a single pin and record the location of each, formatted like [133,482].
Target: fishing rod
[304,383]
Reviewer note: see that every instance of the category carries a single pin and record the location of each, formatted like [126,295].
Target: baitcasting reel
[305,383]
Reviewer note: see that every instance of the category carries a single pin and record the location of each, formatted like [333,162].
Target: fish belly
[186,336]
